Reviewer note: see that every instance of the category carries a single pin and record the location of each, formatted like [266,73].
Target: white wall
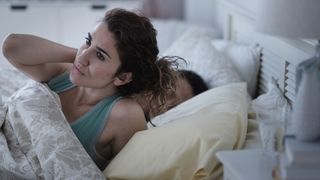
[163,9]
[201,11]
[250,5]
[209,13]
[65,22]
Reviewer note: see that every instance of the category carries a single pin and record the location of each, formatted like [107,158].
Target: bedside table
[246,165]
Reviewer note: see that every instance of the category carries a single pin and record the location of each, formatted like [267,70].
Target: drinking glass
[272,130]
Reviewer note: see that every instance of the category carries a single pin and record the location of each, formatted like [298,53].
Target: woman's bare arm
[126,118]
[39,58]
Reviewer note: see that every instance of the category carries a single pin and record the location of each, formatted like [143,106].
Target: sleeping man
[188,85]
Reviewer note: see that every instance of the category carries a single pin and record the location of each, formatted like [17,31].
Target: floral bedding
[36,141]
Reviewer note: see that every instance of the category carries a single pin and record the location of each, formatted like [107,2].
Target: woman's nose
[84,57]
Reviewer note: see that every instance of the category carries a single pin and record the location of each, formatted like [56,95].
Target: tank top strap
[89,127]
[60,83]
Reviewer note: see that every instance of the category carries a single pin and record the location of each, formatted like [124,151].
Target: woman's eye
[100,56]
[88,41]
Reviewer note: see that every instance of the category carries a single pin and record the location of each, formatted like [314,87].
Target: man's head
[195,81]
[188,84]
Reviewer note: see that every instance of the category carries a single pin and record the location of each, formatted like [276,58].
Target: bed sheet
[14,80]
[36,141]
[253,140]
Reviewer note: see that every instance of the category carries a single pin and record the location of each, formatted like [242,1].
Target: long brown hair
[137,47]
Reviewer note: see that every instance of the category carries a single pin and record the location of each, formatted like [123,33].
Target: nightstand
[246,165]
[300,160]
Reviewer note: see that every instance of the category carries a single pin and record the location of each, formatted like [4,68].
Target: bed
[239,67]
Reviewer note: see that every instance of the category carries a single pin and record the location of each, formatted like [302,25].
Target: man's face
[183,92]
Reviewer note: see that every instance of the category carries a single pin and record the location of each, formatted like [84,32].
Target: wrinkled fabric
[36,141]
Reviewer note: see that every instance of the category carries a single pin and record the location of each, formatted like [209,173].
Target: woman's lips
[77,70]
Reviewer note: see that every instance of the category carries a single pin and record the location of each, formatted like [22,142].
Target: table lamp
[298,19]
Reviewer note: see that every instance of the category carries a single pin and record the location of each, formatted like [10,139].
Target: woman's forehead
[103,32]
[105,39]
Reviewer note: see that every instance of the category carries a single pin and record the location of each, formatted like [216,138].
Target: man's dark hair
[196,82]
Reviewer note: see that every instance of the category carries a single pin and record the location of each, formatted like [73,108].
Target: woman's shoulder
[128,111]
[126,118]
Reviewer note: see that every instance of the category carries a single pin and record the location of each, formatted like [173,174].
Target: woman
[118,59]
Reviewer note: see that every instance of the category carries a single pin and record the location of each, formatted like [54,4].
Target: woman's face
[97,60]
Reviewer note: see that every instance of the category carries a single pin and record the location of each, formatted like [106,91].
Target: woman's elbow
[10,45]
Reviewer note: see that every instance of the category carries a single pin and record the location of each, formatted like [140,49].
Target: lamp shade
[289,18]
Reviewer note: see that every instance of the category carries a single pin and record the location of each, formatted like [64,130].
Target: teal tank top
[88,127]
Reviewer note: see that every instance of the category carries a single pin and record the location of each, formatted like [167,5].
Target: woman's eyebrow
[99,48]
[103,51]
[89,36]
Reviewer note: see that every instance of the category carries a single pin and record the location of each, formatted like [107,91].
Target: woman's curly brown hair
[138,50]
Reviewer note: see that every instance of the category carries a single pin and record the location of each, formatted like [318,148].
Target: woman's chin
[74,79]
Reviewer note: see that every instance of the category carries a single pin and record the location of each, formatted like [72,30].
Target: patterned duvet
[36,141]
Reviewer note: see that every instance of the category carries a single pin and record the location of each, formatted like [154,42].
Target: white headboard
[279,57]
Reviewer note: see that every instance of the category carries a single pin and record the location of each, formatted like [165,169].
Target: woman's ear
[123,78]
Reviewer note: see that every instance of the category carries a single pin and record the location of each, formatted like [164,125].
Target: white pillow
[245,58]
[3,62]
[195,46]
[170,30]
[11,80]
[220,97]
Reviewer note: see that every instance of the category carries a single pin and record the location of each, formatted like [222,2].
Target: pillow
[13,80]
[195,46]
[170,30]
[185,148]
[4,62]
[220,95]
[245,58]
